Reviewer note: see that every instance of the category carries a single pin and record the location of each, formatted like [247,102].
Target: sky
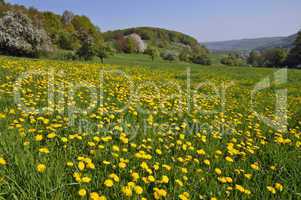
[206,20]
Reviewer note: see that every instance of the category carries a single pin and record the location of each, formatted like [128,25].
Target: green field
[137,129]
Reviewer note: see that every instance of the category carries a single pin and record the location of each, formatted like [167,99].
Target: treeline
[29,32]
[274,57]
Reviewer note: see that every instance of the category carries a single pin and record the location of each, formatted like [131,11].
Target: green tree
[185,55]
[152,52]
[201,59]
[255,59]
[294,57]
[232,59]
[104,51]
[275,57]
[88,49]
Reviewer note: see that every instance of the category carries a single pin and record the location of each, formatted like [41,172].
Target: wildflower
[158,151]
[82,192]
[44,150]
[184,196]
[218,171]
[207,162]
[271,189]
[127,191]
[39,138]
[151,179]
[255,166]
[81,165]
[279,186]
[2,161]
[229,159]
[240,188]
[86,179]
[109,183]
[114,177]
[135,176]
[122,165]
[138,190]
[41,168]
[164,179]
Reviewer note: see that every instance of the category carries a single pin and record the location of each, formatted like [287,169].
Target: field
[135,129]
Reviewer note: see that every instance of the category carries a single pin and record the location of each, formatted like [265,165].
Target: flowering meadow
[72,130]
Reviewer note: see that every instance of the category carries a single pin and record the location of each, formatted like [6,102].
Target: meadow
[136,129]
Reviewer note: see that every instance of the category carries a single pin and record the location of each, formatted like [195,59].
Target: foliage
[169,55]
[202,59]
[88,49]
[104,51]
[185,55]
[294,57]
[274,57]
[160,38]
[255,59]
[66,31]
[19,37]
[232,59]
[152,52]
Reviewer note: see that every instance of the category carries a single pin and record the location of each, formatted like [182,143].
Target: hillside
[251,44]
[158,37]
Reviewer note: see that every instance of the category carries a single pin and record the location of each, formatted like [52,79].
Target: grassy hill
[161,38]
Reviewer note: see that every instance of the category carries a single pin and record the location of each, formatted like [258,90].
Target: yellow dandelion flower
[41,168]
[109,183]
[82,192]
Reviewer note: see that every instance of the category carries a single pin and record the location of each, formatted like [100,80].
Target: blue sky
[207,20]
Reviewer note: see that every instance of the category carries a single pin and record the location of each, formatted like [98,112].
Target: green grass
[158,113]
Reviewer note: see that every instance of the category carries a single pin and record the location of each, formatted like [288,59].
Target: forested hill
[252,44]
[158,37]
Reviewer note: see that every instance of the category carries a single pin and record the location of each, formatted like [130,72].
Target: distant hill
[161,38]
[251,44]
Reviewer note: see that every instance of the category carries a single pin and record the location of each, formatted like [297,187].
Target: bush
[19,37]
[202,59]
[232,59]
[169,55]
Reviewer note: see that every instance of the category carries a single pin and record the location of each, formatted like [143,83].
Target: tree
[232,59]
[294,57]
[131,45]
[67,17]
[255,59]
[152,52]
[169,55]
[19,37]
[88,49]
[274,57]
[202,59]
[104,51]
[185,55]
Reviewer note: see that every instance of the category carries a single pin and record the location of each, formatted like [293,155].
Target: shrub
[19,37]
[202,59]
[232,59]
[169,55]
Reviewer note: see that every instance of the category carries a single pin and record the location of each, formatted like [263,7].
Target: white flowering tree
[19,37]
